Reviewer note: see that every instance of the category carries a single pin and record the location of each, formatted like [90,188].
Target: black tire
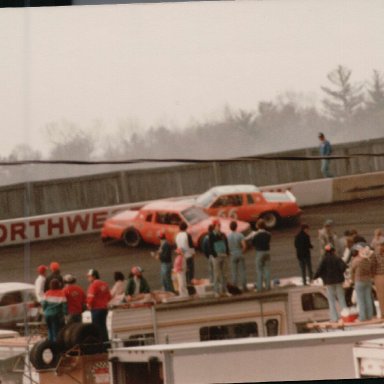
[85,332]
[132,238]
[271,219]
[45,354]
[87,337]
[63,337]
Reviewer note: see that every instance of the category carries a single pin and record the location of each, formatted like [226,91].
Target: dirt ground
[78,254]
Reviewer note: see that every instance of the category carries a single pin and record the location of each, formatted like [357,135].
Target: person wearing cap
[218,244]
[76,299]
[378,273]
[183,240]
[361,274]
[40,282]
[137,286]
[331,271]
[328,236]
[98,297]
[55,308]
[179,268]
[325,150]
[164,255]
[55,274]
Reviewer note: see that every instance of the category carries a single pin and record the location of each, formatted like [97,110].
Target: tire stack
[73,339]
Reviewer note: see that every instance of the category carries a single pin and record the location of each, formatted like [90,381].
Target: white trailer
[280,311]
[368,357]
[323,356]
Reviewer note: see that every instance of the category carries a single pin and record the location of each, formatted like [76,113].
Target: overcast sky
[173,62]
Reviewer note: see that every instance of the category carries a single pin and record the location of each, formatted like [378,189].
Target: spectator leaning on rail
[98,297]
[184,241]
[55,274]
[331,271]
[40,282]
[261,240]
[378,273]
[361,275]
[218,244]
[137,287]
[325,151]
[303,247]
[237,247]
[76,299]
[55,308]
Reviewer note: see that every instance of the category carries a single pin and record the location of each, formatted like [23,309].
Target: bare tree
[24,152]
[376,92]
[344,98]
[70,142]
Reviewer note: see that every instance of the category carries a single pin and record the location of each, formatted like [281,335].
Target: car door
[167,222]
[11,308]
[230,205]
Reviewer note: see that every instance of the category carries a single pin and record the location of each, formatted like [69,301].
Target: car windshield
[194,215]
[206,199]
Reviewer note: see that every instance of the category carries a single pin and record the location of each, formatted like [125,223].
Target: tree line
[348,110]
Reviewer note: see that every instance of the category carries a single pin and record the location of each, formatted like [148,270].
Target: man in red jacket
[75,299]
[98,297]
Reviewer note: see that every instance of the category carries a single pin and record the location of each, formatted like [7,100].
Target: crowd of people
[351,268]
[348,264]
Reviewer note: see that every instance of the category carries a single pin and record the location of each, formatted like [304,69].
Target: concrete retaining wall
[313,192]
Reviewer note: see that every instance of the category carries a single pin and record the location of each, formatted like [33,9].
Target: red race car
[145,224]
[248,203]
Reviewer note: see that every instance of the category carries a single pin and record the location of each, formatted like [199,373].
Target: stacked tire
[73,338]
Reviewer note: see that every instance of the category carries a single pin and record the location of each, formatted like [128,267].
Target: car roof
[15,286]
[169,205]
[239,188]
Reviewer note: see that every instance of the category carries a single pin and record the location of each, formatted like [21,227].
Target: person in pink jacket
[179,267]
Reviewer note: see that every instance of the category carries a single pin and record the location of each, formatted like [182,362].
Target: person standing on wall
[303,247]
[98,297]
[325,151]
[184,241]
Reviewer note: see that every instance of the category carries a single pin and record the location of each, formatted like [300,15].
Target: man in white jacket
[184,242]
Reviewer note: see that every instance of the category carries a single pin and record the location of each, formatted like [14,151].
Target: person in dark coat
[331,271]
[303,247]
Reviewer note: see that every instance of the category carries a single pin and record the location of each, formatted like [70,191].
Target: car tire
[132,238]
[45,354]
[87,337]
[271,219]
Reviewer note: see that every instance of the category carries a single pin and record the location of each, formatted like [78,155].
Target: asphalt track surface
[78,254]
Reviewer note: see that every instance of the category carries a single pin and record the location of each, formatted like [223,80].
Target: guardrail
[80,222]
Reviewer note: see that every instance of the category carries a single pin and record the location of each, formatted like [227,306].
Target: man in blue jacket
[325,150]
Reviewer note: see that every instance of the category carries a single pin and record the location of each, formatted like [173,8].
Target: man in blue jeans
[331,270]
[261,241]
[325,150]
